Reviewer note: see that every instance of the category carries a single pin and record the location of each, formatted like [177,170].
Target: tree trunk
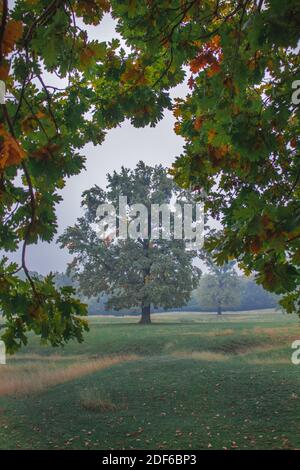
[219,309]
[145,318]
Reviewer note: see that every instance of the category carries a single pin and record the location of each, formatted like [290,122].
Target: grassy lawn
[189,381]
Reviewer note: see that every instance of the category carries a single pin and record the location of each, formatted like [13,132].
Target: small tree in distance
[220,288]
[134,273]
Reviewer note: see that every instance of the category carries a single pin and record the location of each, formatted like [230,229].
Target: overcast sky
[125,145]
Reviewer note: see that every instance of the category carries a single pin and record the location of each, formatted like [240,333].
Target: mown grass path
[186,382]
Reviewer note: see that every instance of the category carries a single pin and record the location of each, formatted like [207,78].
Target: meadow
[188,381]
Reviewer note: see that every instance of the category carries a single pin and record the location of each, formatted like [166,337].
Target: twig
[166,69]
[260,5]
[24,84]
[2,28]
[50,9]
[49,103]
[32,204]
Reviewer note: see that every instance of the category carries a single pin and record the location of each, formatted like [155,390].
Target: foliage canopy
[221,287]
[240,125]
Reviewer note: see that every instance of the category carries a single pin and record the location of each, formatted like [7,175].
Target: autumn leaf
[46,151]
[11,153]
[222,150]
[267,222]
[281,141]
[255,245]
[198,123]
[293,142]
[211,135]
[36,311]
[13,32]
[4,70]
[177,128]
[210,56]
[214,69]
[86,57]
[201,61]
[252,64]
[191,82]
[134,74]
[91,9]
[215,42]
[31,122]
[176,111]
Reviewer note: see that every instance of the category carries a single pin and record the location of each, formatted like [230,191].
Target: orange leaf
[176,111]
[211,135]
[4,70]
[255,245]
[45,152]
[13,32]
[293,142]
[11,153]
[31,122]
[198,123]
[215,42]
[214,69]
[133,73]
[221,151]
[177,128]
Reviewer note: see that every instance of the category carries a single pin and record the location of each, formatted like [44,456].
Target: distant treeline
[251,297]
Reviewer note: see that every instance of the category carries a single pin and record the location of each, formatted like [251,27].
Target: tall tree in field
[220,288]
[141,272]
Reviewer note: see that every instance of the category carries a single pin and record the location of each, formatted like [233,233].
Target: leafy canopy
[241,128]
[43,129]
[221,287]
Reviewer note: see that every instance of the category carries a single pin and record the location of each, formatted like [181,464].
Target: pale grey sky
[125,145]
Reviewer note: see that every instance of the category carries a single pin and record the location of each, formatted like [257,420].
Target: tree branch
[2,28]
[32,204]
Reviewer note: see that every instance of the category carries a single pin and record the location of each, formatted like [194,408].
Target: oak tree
[137,271]
[220,288]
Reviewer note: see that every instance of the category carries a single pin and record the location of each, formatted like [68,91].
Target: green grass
[186,382]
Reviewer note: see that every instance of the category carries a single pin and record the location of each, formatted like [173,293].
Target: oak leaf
[11,153]
[13,32]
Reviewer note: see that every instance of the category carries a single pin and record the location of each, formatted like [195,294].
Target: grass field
[189,381]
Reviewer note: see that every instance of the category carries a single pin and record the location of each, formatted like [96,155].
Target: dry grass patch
[211,334]
[209,356]
[282,334]
[257,348]
[44,358]
[269,361]
[275,331]
[214,356]
[31,378]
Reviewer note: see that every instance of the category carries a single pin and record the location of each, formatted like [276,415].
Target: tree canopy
[240,123]
[134,272]
[220,288]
